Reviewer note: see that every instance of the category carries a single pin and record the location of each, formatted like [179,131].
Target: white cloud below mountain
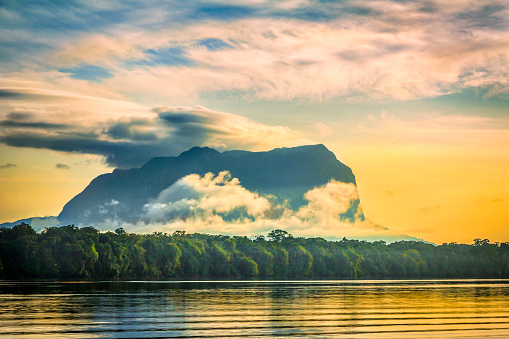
[220,205]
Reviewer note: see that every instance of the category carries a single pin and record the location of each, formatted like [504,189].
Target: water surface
[322,309]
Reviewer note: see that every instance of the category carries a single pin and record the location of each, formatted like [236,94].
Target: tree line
[69,252]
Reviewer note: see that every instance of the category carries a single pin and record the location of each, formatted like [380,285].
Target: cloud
[217,193]
[276,50]
[205,197]
[36,98]
[329,201]
[30,125]
[62,166]
[228,131]
[134,129]
[316,51]
[7,165]
[130,142]
[9,94]
[221,205]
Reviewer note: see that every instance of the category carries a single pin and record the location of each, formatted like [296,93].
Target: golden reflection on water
[369,309]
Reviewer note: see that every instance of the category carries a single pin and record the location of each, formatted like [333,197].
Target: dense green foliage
[70,252]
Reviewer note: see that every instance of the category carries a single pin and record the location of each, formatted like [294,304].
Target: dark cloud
[22,124]
[32,94]
[62,166]
[125,130]
[9,94]
[192,132]
[123,154]
[81,135]
[7,165]
[180,118]
[126,147]
[19,115]
[187,126]
[120,131]
[129,143]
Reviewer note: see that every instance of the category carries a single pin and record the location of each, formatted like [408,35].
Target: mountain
[284,174]
[304,190]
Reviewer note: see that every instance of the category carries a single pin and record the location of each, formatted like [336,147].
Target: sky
[412,95]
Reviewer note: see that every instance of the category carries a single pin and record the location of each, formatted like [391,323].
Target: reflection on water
[324,309]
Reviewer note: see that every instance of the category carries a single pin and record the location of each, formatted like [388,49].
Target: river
[318,309]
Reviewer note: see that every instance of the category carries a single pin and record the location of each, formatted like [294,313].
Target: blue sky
[407,93]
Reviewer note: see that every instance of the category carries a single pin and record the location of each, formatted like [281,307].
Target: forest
[69,252]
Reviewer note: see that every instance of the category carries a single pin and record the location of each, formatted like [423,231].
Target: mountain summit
[283,175]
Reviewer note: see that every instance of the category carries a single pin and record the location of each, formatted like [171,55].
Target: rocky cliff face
[283,174]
